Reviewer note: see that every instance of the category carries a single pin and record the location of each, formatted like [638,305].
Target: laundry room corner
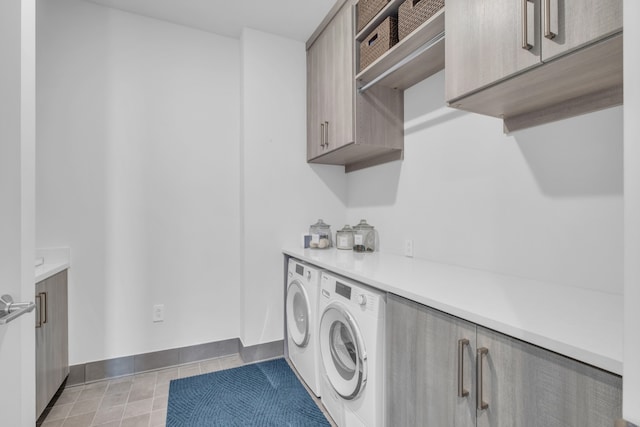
[276,183]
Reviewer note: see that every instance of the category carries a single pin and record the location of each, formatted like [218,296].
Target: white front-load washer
[352,336]
[303,293]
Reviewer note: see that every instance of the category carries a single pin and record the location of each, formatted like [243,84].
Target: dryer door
[343,353]
[298,313]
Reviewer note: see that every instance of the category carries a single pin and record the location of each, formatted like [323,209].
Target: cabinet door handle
[462,343]
[525,26]
[38,313]
[481,404]
[321,134]
[326,137]
[547,20]
[43,308]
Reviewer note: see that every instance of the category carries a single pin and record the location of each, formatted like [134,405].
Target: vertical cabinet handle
[321,134]
[462,343]
[525,26]
[547,20]
[326,137]
[481,404]
[38,313]
[44,308]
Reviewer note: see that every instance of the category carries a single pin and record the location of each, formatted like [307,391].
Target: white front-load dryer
[303,293]
[352,336]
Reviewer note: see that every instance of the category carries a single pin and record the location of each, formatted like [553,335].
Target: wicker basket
[383,38]
[412,13]
[367,9]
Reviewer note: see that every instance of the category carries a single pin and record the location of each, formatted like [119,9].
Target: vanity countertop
[583,324]
[51,261]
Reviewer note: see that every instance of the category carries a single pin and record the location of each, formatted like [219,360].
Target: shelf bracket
[413,55]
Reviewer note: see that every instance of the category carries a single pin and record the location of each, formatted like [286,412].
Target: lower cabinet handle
[525,26]
[38,314]
[462,343]
[481,404]
[321,134]
[326,131]
[44,307]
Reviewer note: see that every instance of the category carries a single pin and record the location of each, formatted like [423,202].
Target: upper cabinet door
[571,24]
[341,83]
[315,99]
[486,42]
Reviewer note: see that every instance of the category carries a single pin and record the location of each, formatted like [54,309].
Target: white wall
[17,210]
[137,157]
[631,394]
[143,172]
[543,203]
[282,194]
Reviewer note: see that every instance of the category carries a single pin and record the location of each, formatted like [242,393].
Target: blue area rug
[261,394]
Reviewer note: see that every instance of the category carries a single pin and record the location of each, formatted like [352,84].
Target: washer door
[298,313]
[343,353]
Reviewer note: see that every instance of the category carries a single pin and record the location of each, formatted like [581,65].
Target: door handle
[525,26]
[322,135]
[481,404]
[10,310]
[547,20]
[462,343]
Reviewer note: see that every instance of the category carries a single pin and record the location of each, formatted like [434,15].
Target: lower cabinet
[52,342]
[444,371]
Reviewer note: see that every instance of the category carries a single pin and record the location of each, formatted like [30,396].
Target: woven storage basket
[383,38]
[412,13]
[367,9]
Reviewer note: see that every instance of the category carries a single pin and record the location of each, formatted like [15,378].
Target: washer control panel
[350,293]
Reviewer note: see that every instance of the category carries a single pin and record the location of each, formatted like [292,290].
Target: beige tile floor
[131,401]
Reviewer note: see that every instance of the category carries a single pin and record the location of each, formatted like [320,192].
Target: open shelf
[408,62]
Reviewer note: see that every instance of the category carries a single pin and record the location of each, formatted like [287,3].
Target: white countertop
[54,260]
[582,324]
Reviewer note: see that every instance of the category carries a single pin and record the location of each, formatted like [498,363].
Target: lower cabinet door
[428,354]
[524,385]
[42,351]
[52,342]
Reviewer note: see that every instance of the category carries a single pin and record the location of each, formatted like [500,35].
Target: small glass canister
[344,238]
[365,237]
[320,235]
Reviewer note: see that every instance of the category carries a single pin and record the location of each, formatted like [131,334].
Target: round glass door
[298,314]
[343,354]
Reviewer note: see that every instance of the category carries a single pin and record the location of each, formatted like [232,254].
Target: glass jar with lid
[365,237]
[320,235]
[344,238]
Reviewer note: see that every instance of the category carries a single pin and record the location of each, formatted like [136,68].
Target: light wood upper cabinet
[576,23]
[484,42]
[330,87]
[530,65]
[345,127]
[340,84]
[315,109]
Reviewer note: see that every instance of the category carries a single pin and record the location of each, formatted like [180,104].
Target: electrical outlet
[158,313]
[408,248]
